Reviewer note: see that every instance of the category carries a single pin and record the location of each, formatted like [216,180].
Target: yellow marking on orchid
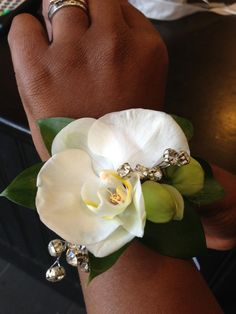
[120,195]
[107,217]
[91,203]
[106,173]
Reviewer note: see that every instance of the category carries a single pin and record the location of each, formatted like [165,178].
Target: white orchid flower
[80,194]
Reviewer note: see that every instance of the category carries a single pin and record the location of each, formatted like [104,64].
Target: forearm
[143,281]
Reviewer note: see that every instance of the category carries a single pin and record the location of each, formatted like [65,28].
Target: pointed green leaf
[100,265]
[180,239]
[212,190]
[185,125]
[50,127]
[22,190]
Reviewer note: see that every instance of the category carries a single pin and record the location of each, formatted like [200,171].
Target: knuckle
[114,45]
[156,47]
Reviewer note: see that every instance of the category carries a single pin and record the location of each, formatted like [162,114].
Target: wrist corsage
[126,175]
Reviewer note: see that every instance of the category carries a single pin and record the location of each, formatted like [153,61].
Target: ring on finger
[55,5]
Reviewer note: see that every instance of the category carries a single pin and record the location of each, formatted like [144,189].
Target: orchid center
[115,198]
[110,196]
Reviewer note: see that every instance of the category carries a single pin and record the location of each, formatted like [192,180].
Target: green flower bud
[162,202]
[179,202]
[188,179]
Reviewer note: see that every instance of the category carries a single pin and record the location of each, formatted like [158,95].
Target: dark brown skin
[100,67]
[114,60]
[219,219]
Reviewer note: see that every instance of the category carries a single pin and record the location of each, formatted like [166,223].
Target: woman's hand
[114,60]
[90,66]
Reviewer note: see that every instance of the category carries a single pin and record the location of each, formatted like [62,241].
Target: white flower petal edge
[75,135]
[137,136]
[114,242]
[59,202]
[134,218]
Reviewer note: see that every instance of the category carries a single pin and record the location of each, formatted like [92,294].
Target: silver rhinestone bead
[155,174]
[56,247]
[170,157]
[183,158]
[55,273]
[141,171]
[124,170]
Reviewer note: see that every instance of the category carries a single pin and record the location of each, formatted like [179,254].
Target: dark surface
[202,82]
[201,87]
[20,293]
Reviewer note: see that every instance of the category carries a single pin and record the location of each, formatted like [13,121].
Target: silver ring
[55,5]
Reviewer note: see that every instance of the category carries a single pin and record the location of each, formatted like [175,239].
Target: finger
[67,24]
[135,18]
[48,27]
[27,40]
[106,14]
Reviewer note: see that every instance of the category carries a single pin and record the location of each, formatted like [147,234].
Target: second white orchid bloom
[80,194]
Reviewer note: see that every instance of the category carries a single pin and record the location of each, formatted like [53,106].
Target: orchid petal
[134,217]
[137,136]
[114,242]
[75,135]
[59,202]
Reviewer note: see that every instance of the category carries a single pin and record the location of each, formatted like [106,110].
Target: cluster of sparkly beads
[170,158]
[173,158]
[76,255]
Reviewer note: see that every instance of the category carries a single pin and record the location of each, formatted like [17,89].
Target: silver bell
[76,255]
[56,247]
[55,273]
[84,266]
[72,256]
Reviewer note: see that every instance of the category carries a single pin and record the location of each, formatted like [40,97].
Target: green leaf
[180,239]
[22,190]
[100,265]
[205,166]
[50,127]
[212,190]
[185,125]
